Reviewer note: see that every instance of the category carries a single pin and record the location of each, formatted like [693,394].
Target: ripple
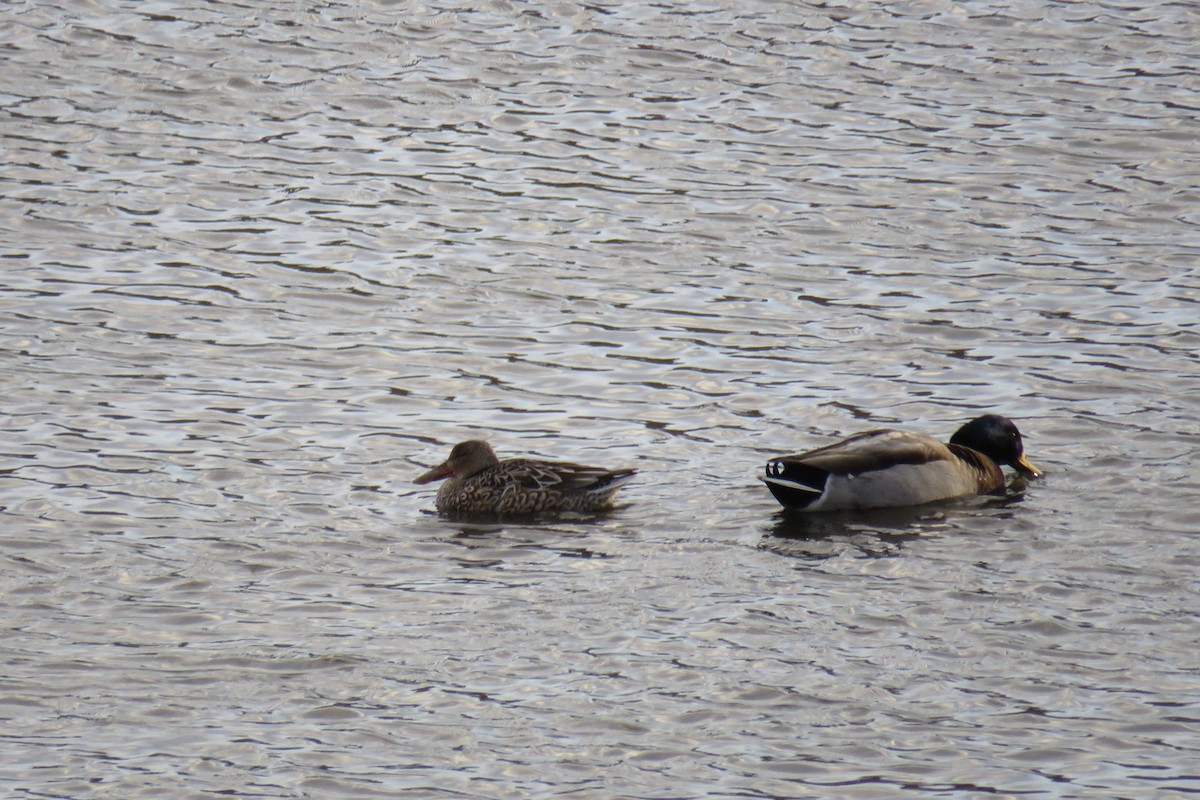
[261,269]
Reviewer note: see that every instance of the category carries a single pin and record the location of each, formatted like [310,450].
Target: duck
[887,468]
[477,482]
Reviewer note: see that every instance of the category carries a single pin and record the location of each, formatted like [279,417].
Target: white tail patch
[799,487]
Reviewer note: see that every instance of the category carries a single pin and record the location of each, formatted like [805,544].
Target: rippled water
[265,262]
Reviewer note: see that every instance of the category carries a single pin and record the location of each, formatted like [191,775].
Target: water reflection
[877,532]
[503,546]
[818,536]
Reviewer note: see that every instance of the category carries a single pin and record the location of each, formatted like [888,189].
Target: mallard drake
[479,483]
[885,468]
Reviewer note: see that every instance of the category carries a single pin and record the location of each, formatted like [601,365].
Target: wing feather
[872,450]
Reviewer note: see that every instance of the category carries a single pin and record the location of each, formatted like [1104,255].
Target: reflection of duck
[479,483]
[886,468]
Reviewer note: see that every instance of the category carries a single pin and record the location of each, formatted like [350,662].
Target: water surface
[264,263]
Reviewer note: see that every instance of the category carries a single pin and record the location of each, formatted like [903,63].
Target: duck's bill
[435,474]
[1027,469]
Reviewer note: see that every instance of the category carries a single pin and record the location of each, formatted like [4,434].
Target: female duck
[885,468]
[479,483]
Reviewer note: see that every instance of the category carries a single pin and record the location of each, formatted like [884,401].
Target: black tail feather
[795,484]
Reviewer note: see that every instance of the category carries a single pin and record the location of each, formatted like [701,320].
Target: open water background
[264,262]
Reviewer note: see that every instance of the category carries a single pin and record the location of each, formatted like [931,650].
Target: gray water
[264,263]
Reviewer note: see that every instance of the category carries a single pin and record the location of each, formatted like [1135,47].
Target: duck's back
[875,450]
[527,486]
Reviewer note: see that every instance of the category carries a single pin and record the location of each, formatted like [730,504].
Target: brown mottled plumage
[479,483]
